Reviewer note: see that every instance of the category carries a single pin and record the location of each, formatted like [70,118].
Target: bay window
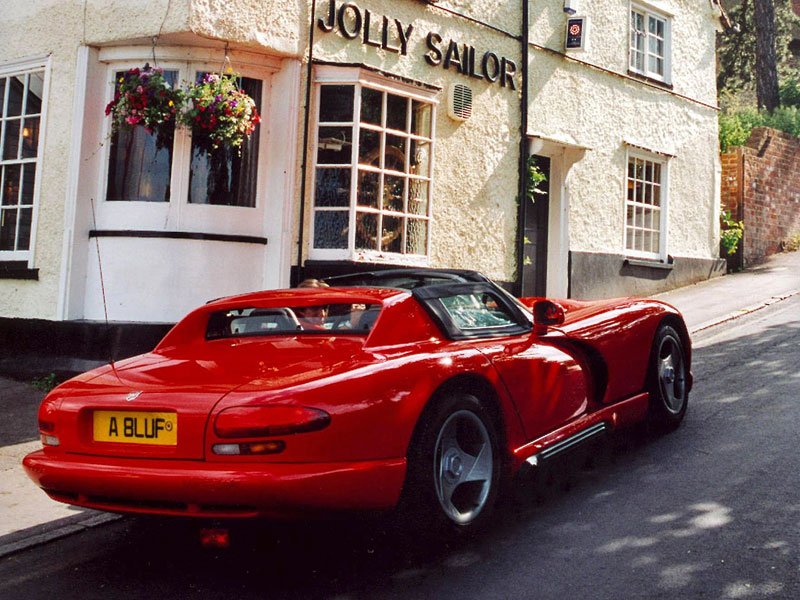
[177,166]
[373,167]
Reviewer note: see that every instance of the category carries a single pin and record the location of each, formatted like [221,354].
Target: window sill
[18,270]
[652,264]
[651,80]
[178,235]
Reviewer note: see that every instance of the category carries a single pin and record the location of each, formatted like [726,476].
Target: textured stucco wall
[275,26]
[475,168]
[602,109]
[57,29]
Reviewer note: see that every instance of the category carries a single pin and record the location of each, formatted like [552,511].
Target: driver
[312,318]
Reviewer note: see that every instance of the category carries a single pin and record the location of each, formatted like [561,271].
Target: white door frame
[563,154]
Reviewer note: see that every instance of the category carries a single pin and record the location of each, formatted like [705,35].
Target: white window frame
[178,214]
[12,69]
[360,79]
[662,209]
[649,13]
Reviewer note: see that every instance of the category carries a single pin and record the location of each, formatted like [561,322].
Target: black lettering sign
[453,57]
[404,36]
[112,427]
[129,427]
[327,26]
[353,33]
[367,24]
[509,69]
[385,37]
[351,23]
[434,56]
[490,65]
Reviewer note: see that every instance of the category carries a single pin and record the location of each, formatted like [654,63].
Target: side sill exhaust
[568,443]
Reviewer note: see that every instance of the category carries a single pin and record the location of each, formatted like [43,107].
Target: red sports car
[421,390]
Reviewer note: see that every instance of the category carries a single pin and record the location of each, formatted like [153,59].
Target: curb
[46,532]
[743,311]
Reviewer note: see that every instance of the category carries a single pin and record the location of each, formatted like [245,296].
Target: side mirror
[546,313]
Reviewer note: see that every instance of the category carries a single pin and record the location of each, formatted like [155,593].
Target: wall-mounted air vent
[459,105]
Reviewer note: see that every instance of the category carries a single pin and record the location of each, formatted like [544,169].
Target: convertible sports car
[418,390]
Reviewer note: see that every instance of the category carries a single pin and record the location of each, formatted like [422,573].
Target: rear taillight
[46,430]
[269,421]
[250,448]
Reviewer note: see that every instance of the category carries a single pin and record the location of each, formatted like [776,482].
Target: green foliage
[535,178]
[220,112]
[790,92]
[793,243]
[735,127]
[731,234]
[45,383]
[732,132]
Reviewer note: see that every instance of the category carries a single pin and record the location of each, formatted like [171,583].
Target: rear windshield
[323,319]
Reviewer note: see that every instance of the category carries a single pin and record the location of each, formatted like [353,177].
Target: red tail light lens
[268,421]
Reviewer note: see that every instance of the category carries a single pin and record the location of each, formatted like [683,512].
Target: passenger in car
[312,283]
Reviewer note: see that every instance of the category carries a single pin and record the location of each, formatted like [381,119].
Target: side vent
[459,105]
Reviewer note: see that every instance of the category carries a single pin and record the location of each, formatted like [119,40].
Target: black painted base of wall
[34,347]
[598,275]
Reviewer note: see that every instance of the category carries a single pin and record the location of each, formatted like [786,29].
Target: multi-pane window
[372,185]
[644,207]
[21,96]
[141,163]
[649,44]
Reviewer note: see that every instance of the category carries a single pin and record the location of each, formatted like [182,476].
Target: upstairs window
[649,44]
[372,176]
[21,106]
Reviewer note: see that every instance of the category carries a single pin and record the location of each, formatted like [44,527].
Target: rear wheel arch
[484,392]
[467,400]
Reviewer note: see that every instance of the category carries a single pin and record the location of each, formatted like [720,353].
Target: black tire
[454,468]
[668,380]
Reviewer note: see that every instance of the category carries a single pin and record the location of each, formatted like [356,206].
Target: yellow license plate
[159,428]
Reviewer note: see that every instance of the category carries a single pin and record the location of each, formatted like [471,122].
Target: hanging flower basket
[219,112]
[143,97]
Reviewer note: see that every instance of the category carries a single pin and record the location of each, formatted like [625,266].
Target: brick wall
[761,186]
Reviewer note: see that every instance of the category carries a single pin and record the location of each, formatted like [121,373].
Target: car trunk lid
[158,406]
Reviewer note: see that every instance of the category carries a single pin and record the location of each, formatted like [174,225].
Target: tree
[736,49]
[766,56]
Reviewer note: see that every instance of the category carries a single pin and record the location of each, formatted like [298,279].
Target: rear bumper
[201,489]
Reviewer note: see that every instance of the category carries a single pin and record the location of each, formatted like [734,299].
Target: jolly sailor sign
[392,35]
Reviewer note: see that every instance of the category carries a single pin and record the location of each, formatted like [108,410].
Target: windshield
[327,319]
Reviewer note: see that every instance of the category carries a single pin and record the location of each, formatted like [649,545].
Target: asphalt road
[709,511]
